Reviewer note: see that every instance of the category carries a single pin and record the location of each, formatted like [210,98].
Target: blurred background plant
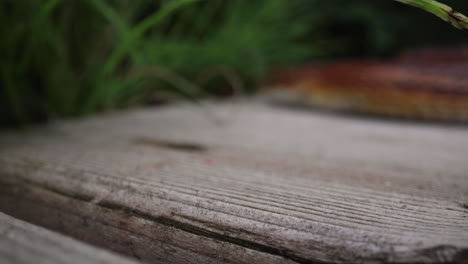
[72,58]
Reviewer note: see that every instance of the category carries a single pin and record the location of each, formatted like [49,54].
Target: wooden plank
[248,183]
[21,242]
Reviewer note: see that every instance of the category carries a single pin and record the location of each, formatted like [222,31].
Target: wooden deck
[245,183]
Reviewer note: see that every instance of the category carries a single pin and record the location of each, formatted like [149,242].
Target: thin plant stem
[443,11]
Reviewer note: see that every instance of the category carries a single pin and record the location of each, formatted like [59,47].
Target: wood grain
[23,243]
[245,183]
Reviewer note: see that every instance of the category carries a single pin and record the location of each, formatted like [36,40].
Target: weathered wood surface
[265,185]
[23,243]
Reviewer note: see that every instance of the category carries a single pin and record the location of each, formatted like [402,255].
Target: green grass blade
[138,31]
[443,11]
[129,44]
[120,25]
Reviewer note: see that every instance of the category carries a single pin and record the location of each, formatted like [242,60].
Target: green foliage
[249,37]
[68,58]
[72,58]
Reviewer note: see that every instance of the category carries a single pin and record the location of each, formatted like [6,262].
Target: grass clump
[71,58]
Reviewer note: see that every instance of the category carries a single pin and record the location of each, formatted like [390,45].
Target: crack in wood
[76,196]
[285,253]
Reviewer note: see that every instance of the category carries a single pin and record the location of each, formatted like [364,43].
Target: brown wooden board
[245,183]
[23,243]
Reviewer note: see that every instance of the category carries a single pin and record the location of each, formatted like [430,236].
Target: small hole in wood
[180,146]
